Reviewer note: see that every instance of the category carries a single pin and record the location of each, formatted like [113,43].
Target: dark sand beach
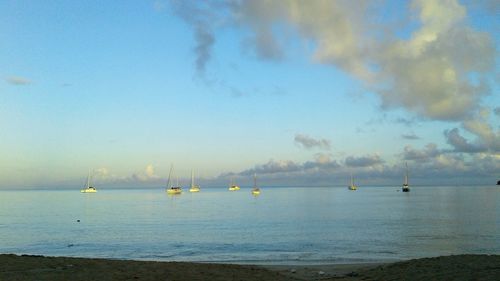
[459,267]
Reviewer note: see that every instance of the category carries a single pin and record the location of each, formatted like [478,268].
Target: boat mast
[169,175]
[352,182]
[406,174]
[192,178]
[254,180]
[88,180]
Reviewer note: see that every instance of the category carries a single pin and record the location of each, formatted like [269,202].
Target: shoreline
[30,267]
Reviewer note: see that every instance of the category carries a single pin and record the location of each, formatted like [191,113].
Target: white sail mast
[88,180]
[406,174]
[192,178]
[169,175]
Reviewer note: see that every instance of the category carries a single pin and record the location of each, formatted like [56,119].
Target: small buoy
[321,273]
[78,220]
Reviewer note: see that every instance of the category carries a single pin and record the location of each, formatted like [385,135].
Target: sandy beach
[459,267]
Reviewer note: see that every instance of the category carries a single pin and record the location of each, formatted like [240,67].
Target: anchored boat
[255,189]
[406,186]
[89,188]
[194,187]
[352,186]
[171,188]
[233,186]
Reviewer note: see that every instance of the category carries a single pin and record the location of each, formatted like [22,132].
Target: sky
[298,92]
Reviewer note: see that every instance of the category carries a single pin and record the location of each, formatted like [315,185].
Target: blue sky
[297,93]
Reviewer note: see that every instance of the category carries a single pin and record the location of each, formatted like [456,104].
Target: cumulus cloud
[430,151]
[363,161]
[308,142]
[323,158]
[102,173]
[273,167]
[322,162]
[459,143]
[429,165]
[147,175]
[486,136]
[487,139]
[428,72]
[18,81]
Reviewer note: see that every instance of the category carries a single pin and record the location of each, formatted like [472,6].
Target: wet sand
[460,267]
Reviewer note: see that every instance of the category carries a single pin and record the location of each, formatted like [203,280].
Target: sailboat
[233,186]
[406,187]
[88,188]
[352,186]
[255,189]
[173,189]
[194,188]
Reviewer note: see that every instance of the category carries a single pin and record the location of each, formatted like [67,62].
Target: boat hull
[194,189]
[88,190]
[256,191]
[174,191]
[234,188]
[352,187]
[405,188]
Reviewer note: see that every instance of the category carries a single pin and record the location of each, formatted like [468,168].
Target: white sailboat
[194,187]
[352,186]
[406,186]
[88,188]
[173,189]
[233,186]
[255,189]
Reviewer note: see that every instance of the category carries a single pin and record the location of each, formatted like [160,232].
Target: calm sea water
[290,225]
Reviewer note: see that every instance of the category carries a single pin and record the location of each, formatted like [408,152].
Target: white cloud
[150,171]
[364,161]
[430,151]
[147,175]
[102,173]
[428,73]
[308,142]
[479,126]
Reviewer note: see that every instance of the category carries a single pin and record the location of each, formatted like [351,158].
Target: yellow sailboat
[255,189]
[173,189]
[194,187]
[233,186]
[89,188]
[352,186]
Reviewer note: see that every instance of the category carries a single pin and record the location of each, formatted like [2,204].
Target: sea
[283,225]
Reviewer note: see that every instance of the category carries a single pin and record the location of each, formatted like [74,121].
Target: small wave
[373,252]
